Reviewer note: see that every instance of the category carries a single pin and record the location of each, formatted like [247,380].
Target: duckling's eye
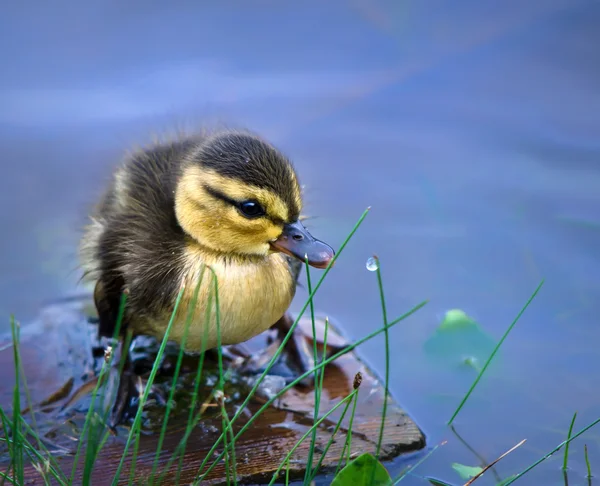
[251,209]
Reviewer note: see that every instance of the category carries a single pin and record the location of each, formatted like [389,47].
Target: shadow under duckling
[228,200]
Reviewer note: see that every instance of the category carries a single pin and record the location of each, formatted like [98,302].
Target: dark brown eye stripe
[219,195]
[222,197]
[254,162]
[275,220]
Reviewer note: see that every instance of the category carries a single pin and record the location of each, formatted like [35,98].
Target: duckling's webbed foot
[298,356]
[124,405]
[130,389]
[295,360]
[139,361]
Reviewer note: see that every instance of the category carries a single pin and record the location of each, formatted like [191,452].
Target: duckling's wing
[135,242]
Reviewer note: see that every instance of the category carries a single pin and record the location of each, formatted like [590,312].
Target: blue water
[471,128]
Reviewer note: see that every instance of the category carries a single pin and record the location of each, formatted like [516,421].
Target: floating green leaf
[456,319]
[460,340]
[472,362]
[466,472]
[438,482]
[360,471]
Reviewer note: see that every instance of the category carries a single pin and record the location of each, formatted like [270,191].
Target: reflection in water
[471,129]
[483,462]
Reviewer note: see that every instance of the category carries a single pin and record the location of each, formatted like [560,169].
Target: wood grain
[56,349]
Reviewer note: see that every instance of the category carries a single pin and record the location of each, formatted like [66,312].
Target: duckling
[228,200]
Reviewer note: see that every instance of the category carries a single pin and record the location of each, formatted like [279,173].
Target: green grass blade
[587,461]
[31,450]
[387,364]
[5,429]
[188,321]
[487,363]
[101,379]
[191,421]
[91,460]
[9,443]
[6,477]
[556,449]
[348,441]
[29,401]
[218,325]
[324,363]
[566,458]
[18,464]
[287,473]
[309,431]
[331,439]
[227,426]
[19,444]
[411,469]
[33,431]
[230,444]
[226,447]
[387,358]
[317,391]
[54,468]
[135,429]
[321,375]
[92,425]
[282,345]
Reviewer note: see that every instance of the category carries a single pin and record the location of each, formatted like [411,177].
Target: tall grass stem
[489,360]
[546,456]
[587,461]
[387,358]
[316,389]
[170,400]
[136,427]
[566,458]
[309,431]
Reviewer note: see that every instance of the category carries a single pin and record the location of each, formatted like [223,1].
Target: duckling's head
[238,195]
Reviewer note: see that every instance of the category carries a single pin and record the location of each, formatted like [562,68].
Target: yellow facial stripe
[296,185]
[195,177]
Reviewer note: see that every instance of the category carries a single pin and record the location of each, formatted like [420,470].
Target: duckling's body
[229,201]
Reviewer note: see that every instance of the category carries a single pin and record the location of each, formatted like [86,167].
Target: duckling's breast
[252,296]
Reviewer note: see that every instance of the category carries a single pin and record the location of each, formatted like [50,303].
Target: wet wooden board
[56,352]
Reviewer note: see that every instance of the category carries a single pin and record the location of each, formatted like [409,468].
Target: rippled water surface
[471,128]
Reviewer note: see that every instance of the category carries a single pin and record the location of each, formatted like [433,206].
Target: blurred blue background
[472,128]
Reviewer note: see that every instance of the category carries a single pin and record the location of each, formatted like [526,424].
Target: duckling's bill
[296,241]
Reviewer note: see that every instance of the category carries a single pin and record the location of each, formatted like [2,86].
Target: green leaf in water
[459,340]
[360,471]
[438,482]
[456,319]
[473,362]
[466,472]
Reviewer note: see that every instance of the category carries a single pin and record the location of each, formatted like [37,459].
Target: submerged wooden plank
[56,353]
